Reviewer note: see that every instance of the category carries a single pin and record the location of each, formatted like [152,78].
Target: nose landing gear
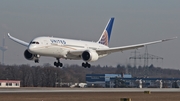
[36,60]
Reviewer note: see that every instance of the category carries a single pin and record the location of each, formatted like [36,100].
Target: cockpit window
[34,42]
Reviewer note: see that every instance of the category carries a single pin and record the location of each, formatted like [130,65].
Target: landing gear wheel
[36,60]
[60,64]
[57,64]
[83,65]
[86,65]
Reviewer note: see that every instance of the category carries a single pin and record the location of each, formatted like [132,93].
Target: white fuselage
[59,47]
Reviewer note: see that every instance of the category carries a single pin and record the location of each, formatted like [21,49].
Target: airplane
[61,48]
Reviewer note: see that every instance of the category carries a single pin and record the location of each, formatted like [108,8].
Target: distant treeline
[47,76]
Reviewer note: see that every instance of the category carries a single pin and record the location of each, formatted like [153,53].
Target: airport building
[9,83]
[103,80]
[127,81]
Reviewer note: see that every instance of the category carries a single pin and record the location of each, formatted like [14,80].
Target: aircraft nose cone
[31,48]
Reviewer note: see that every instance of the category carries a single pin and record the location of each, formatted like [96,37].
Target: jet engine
[28,55]
[89,55]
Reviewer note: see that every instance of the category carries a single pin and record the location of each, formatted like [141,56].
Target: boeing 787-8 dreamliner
[61,48]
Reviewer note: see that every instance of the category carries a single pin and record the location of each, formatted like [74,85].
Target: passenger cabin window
[17,84]
[34,42]
[10,84]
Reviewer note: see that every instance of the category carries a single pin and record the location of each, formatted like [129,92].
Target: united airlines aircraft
[61,48]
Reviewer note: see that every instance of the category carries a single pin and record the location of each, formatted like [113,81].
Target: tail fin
[105,37]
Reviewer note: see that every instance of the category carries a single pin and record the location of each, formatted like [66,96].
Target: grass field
[92,96]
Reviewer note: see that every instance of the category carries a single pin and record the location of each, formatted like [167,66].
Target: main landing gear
[58,63]
[86,65]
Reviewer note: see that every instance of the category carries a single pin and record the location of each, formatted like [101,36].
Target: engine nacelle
[28,55]
[89,55]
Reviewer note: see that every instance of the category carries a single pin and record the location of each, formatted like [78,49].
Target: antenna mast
[3,48]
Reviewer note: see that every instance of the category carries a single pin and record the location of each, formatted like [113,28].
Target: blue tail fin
[105,37]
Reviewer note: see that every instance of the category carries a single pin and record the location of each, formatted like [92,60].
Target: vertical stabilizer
[105,37]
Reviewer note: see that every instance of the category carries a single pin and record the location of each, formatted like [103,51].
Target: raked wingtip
[8,35]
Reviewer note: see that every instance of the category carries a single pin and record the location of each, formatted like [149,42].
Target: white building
[9,83]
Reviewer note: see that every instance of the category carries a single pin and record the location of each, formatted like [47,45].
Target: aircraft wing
[117,49]
[18,41]
[130,47]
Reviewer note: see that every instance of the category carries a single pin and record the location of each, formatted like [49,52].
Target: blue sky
[136,21]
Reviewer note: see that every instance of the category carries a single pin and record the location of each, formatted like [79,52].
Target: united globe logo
[104,39]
